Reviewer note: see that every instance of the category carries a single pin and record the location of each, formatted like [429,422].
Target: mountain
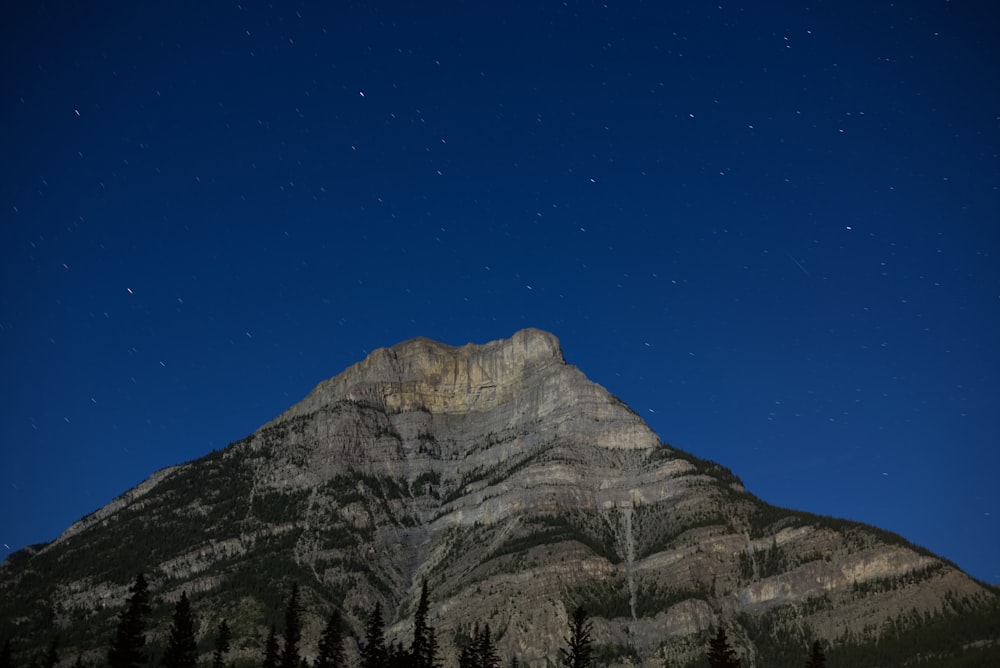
[518,490]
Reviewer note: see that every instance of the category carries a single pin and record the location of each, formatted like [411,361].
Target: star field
[771,231]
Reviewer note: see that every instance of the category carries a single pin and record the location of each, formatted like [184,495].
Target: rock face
[504,385]
[516,488]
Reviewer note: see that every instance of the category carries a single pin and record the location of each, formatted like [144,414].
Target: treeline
[128,649]
[961,635]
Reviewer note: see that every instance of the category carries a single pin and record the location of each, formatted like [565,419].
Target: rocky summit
[517,490]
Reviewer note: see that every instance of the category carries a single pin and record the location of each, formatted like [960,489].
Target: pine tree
[817,659]
[293,631]
[579,651]
[481,652]
[182,649]
[331,644]
[469,656]
[486,650]
[720,654]
[223,637]
[128,648]
[271,649]
[374,653]
[424,650]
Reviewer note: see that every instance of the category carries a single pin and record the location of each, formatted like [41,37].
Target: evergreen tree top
[182,648]
[128,645]
[578,652]
[817,659]
[720,654]
[293,631]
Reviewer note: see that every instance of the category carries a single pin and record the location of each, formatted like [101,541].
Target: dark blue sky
[773,232]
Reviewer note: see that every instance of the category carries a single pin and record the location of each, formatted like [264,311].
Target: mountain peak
[495,361]
[427,375]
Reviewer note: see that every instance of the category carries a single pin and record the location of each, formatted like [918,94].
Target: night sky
[774,232]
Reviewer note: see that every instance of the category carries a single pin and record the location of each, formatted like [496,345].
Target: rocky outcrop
[517,384]
[511,484]
[424,375]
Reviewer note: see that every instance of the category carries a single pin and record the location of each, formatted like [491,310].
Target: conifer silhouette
[374,654]
[720,654]
[293,631]
[424,650]
[128,648]
[271,649]
[182,648]
[481,652]
[469,656]
[817,659]
[486,649]
[223,637]
[578,652]
[331,644]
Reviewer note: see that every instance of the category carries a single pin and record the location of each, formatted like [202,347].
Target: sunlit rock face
[511,484]
[521,383]
[421,374]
